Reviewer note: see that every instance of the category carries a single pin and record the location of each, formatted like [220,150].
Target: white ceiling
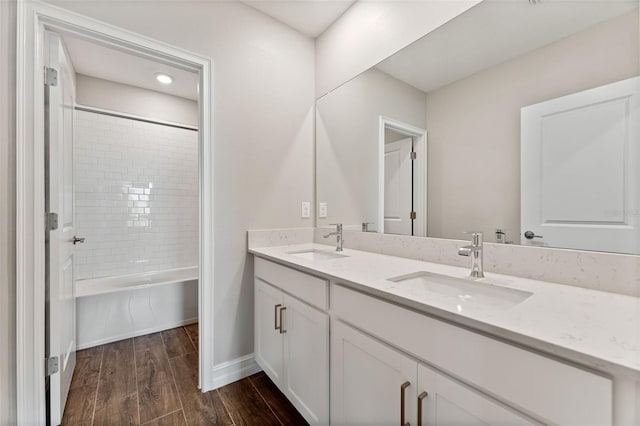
[491,33]
[111,64]
[310,17]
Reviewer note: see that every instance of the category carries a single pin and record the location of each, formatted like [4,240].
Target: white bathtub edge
[104,285]
[137,333]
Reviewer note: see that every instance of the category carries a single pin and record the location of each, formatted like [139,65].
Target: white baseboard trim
[234,370]
[137,333]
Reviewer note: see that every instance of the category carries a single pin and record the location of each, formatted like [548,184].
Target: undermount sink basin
[314,254]
[462,293]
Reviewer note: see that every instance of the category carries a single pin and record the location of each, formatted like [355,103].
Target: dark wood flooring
[153,380]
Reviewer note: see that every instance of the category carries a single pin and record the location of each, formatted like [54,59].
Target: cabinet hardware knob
[402,389]
[275,317]
[422,396]
[282,330]
[77,240]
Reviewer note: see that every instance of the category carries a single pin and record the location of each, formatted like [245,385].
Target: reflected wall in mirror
[513,118]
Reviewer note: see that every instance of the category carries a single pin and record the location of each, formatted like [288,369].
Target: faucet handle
[476,237]
[337,225]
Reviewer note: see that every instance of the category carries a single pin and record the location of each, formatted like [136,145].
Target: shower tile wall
[136,195]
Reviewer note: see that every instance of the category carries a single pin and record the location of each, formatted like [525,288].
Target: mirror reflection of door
[398,184]
[579,170]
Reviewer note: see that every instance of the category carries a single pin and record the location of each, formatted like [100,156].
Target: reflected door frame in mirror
[419,135]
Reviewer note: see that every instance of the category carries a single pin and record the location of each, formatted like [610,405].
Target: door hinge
[412,215]
[413,155]
[50,76]
[52,365]
[51,221]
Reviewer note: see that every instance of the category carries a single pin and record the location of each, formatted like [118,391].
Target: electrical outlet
[306,210]
[322,210]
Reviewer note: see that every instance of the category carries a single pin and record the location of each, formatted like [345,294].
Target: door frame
[419,170]
[33,17]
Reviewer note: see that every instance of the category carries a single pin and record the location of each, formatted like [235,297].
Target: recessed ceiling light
[164,78]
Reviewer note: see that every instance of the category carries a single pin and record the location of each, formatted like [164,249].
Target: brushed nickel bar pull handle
[282,330]
[402,388]
[422,396]
[275,317]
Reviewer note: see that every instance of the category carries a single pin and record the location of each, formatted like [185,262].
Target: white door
[580,170]
[268,339]
[444,402]
[61,327]
[367,379]
[398,190]
[306,359]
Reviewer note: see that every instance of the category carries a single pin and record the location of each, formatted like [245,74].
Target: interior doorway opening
[108,178]
[402,188]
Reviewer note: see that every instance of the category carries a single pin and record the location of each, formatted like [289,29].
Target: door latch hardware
[52,365]
[412,215]
[51,77]
[51,221]
[530,235]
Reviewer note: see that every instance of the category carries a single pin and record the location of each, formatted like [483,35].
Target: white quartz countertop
[596,329]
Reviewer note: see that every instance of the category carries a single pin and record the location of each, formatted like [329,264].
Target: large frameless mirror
[518,119]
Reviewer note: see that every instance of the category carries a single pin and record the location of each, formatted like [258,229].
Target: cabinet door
[449,403]
[306,359]
[268,340]
[366,380]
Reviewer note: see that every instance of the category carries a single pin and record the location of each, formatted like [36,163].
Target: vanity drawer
[308,288]
[548,390]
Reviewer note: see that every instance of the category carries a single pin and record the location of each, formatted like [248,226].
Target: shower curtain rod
[134,117]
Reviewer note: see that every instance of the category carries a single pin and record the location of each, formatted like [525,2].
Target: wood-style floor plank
[177,342]
[117,390]
[80,405]
[173,419]
[157,394]
[193,331]
[283,409]
[119,411]
[136,381]
[245,404]
[148,340]
[199,408]
[87,369]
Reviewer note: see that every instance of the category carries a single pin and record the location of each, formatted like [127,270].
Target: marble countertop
[596,329]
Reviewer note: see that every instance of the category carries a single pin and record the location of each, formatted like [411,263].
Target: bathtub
[115,308]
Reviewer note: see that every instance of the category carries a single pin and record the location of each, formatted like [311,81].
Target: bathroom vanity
[360,338]
[526,135]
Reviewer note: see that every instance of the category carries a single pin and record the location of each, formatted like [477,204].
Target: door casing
[33,18]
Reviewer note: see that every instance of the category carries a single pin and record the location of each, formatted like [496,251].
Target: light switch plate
[322,210]
[306,209]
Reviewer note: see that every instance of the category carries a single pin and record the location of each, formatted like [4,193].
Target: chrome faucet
[338,235]
[475,251]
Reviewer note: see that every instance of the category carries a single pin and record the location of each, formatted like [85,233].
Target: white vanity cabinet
[475,379]
[391,364]
[368,379]
[373,383]
[292,336]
